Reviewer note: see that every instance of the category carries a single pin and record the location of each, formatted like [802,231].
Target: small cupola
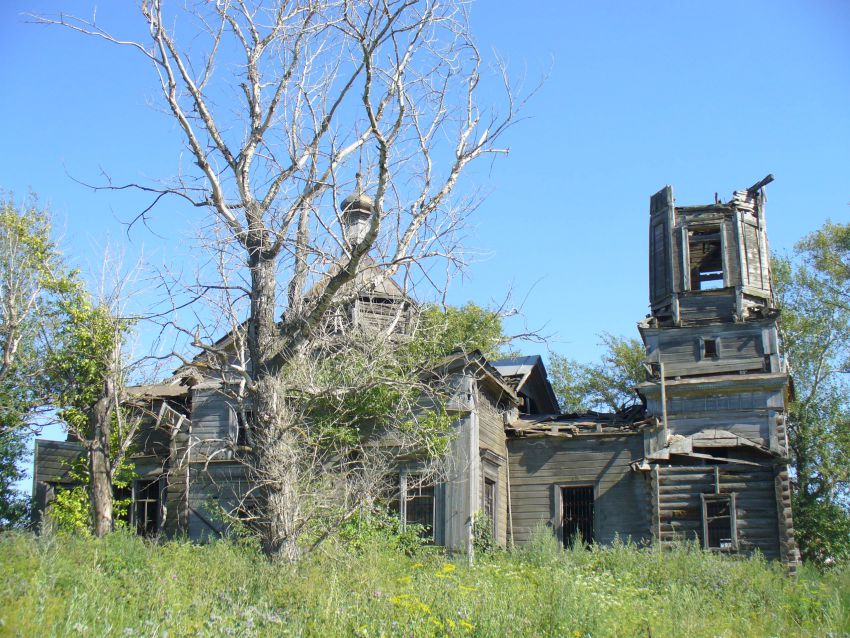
[356,211]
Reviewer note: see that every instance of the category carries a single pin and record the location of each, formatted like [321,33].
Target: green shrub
[482,534]
[379,529]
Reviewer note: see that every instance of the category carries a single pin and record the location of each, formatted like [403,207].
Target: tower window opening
[706,259]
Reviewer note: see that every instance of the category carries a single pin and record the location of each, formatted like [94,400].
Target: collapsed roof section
[629,420]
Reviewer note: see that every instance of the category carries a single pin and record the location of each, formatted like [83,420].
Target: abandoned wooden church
[703,457]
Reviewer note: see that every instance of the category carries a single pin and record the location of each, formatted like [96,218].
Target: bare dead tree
[280,104]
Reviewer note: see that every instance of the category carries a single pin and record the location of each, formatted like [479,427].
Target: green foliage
[378,530]
[32,275]
[71,509]
[356,393]
[482,534]
[827,251]
[122,585]
[813,293]
[822,527]
[14,505]
[359,389]
[83,354]
[442,331]
[607,385]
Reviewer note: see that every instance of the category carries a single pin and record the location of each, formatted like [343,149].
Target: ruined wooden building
[704,456]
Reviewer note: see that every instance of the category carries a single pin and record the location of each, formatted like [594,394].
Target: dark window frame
[709,352]
[408,495]
[147,506]
[568,536]
[240,430]
[712,518]
[490,501]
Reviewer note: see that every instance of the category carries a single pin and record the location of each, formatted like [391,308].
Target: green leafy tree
[14,506]
[87,369]
[813,293]
[32,276]
[607,385]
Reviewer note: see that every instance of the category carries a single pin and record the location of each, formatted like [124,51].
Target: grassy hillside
[123,586]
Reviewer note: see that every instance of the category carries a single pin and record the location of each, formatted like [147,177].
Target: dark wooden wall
[679,509]
[52,463]
[492,437]
[539,466]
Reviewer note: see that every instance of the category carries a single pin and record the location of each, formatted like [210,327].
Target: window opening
[578,514]
[420,509]
[528,406]
[718,521]
[243,423]
[706,259]
[146,507]
[490,502]
[709,347]
[124,494]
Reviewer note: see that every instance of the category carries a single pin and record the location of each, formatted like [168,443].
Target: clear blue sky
[705,96]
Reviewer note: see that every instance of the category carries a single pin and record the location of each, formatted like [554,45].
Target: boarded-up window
[705,258]
[719,528]
[578,514]
[753,270]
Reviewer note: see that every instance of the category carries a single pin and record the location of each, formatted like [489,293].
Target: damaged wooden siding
[738,347]
[212,425]
[680,504]
[53,461]
[540,466]
[494,465]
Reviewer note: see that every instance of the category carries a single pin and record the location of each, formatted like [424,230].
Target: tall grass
[123,586]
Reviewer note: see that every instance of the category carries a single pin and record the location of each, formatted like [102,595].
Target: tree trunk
[283,500]
[100,469]
[276,451]
[263,333]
